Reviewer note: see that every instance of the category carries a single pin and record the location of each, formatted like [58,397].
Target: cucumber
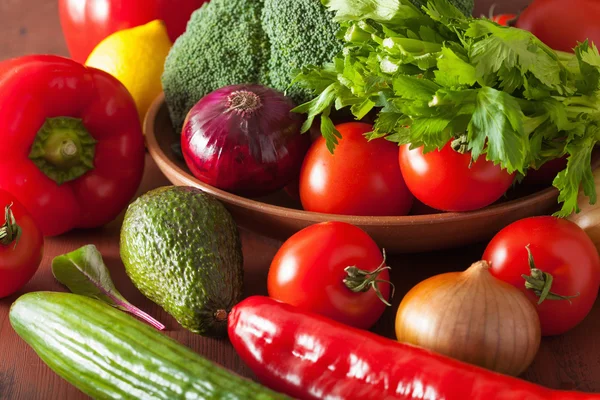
[108,354]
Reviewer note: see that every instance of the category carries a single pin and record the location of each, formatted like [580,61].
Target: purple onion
[244,139]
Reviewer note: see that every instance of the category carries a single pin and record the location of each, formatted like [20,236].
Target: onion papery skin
[251,151]
[472,317]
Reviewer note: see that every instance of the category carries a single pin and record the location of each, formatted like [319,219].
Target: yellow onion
[589,216]
[473,317]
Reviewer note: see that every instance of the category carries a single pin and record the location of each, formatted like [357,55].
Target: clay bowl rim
[171,169]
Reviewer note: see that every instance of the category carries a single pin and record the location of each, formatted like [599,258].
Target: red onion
[244,139]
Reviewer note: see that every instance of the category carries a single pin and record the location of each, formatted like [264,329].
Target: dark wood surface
[570,361]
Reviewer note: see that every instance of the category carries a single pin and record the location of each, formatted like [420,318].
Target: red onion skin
[250,154]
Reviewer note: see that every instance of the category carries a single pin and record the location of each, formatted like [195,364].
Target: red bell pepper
[71,146]
[308,356]
[87,22]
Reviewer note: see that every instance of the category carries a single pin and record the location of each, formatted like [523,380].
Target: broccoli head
[247,41]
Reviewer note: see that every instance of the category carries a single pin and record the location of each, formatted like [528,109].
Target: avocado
[182,250]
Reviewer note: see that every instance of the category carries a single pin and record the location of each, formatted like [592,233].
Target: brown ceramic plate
[278,216]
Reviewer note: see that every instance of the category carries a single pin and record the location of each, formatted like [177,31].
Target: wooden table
[571,361]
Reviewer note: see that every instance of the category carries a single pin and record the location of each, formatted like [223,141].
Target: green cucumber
[108,354]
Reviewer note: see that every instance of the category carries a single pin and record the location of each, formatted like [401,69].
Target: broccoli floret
[300,33]
[247,41]
[224,44]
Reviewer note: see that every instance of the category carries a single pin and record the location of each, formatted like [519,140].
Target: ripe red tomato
[503,19]
[20,253]
[443,179]
[572,22]
[360,178]
[559,248]
[308,271]
[85,23]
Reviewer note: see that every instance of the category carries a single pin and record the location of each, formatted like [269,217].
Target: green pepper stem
[540,282]
[63,149]
[359,280]
[10,231]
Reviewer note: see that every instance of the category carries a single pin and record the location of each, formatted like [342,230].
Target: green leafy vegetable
[434,75]
[84,273]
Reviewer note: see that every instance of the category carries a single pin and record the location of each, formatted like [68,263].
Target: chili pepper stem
[9,232]
[360,280]
[540,282]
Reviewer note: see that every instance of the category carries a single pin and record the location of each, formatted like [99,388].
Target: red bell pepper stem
[308,356]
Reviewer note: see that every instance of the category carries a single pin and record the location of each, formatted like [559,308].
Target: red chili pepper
[71,146]
[308,356]
[85,23]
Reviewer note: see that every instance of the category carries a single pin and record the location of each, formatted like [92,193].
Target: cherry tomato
[559,248]
[562,24]
[21,245]
[443,179]
[309,271]
[360,178]
[503,19]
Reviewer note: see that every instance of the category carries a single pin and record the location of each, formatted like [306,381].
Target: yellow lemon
[136,57]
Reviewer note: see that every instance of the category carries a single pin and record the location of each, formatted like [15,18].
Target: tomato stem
[10,231]
[360,280]
[540,282]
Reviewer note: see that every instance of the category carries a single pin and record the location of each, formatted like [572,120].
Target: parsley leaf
[498,120]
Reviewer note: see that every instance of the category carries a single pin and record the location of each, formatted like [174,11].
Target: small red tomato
[559,248]
[504,19]
[334,269]
[21,245]
[447,180]
[361,177]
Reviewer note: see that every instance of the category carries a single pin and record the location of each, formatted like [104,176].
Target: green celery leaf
[510,79]
[385,124]
[443,11]
[376,10]
[317,79]
[329,132]
[401,135]
[578,173]
[589,66]
[431,133]
[453,70]
[317,106]
[512,48]
[498,120]
[410,87]
[557,112]
[359,110]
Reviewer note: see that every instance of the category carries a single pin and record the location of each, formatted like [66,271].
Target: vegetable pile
[434,76]
[418,105]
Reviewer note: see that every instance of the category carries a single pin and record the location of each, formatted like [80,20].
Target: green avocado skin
[182,250]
